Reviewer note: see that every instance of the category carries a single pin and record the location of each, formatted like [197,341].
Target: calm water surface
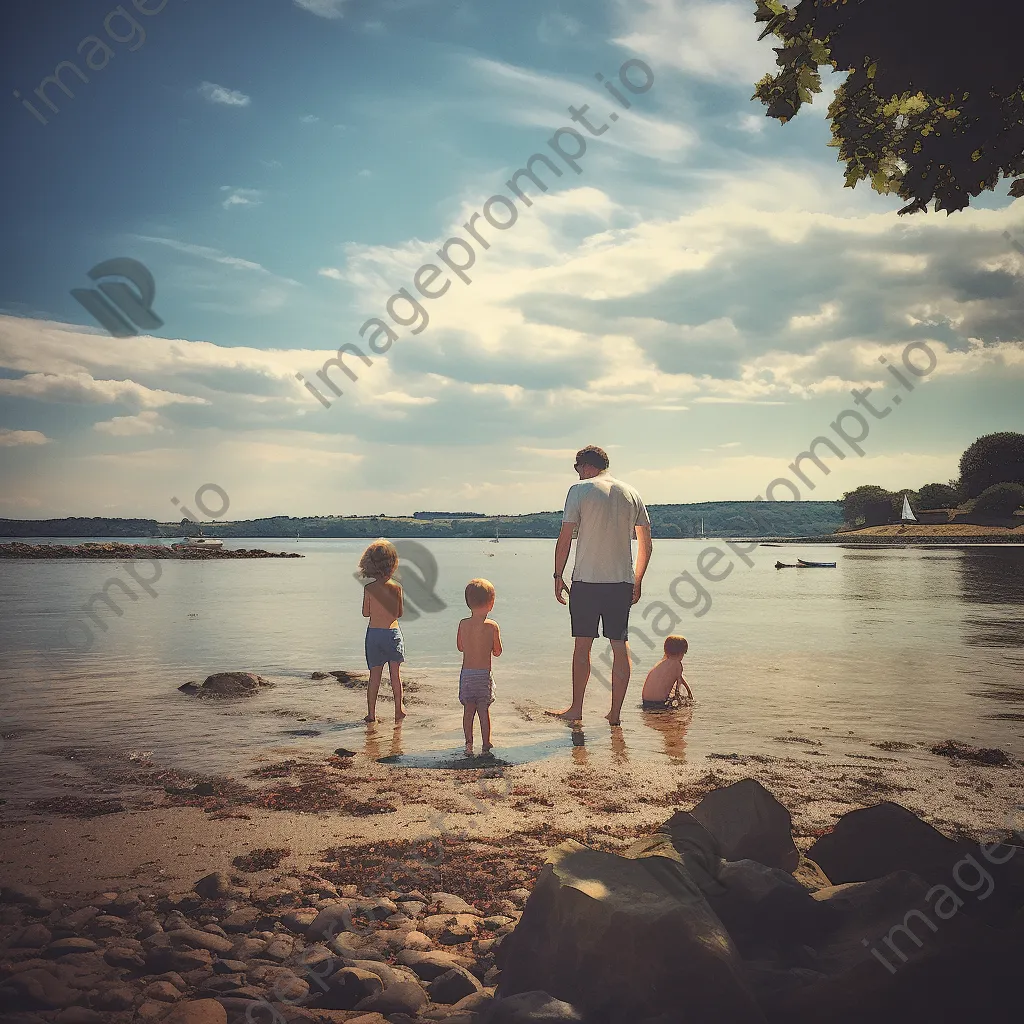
[911,645]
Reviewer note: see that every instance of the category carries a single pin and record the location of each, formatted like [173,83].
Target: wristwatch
[558,576]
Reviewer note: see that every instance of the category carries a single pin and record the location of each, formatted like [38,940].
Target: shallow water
[907,645]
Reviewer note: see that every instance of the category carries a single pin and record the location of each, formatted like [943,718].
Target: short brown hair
[593,456]
[479,593]
[676,645]
[379,560]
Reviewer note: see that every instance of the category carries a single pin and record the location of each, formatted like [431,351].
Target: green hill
[721,519]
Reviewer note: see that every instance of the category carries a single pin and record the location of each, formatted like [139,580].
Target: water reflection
[992,590]
[672,725]
[374,736]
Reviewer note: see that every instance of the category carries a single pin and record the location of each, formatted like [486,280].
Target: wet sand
[153,827]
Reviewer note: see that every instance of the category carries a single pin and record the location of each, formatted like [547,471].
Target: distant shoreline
[121,552]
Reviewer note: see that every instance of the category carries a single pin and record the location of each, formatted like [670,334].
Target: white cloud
[13,438]
[223,96]
[323,8]
[131,426]
[708,39]
[241,197]
[309,119]
[84,389]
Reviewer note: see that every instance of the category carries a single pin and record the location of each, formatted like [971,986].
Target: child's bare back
[476,641]
[663,681]
[382,603]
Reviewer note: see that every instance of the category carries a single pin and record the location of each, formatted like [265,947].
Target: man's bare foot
[469,750]
[370,718]
[487,748]
[611,721]
[400,714]
[568,715]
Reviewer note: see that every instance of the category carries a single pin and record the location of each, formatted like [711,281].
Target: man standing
[605,513]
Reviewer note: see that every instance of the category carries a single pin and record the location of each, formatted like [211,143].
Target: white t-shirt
[606,511]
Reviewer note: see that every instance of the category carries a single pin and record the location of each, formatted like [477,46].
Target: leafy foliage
[992,459]
[867,504]
[939,496]
[933,108]
[999,500]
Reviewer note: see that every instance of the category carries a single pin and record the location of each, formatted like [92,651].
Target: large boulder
[749,824]
[876,841]
[899,953]
[767,912]
[232,684]
[625,939]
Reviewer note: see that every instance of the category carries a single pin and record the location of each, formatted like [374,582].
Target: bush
[865,503]
[999,500]
[938,496]
[992,459]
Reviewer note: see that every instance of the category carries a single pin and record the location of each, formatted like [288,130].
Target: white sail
[908,512]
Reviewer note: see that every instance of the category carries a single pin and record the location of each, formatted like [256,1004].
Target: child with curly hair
[382,605]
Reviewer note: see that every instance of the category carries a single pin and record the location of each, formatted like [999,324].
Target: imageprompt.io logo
[121,309]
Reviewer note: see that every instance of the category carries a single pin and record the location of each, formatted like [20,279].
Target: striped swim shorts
[476,686]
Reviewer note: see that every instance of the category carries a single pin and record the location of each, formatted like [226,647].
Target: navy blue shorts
[383,646]
[607,603]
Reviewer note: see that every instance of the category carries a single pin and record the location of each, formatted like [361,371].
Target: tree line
[990,484]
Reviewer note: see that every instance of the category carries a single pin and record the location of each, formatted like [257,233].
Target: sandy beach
[358,814]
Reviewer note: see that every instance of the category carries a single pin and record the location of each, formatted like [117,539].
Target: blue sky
[699,300]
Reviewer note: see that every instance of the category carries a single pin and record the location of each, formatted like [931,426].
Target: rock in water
[232,684]
[622,942]
[749,824]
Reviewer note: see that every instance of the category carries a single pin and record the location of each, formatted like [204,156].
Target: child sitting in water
[479,639]
[661,687]
[382,605]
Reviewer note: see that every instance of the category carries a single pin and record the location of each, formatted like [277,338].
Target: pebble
[201,940]
[61,947]
[405,997]
[163,991]
[78,1015]
[34,936]
[449,903]
[115,997]
[197,1011]
[452,986]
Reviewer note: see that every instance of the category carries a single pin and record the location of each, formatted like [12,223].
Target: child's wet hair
[380,559]
[479,593]
[675,645]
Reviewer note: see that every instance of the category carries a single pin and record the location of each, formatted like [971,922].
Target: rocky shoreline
[123,552]
[714,916]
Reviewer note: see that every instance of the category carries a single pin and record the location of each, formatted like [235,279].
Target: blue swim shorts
[383,645]
[476,687]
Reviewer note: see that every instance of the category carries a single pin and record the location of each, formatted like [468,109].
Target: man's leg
[580,678]
[620,678]
[584,613]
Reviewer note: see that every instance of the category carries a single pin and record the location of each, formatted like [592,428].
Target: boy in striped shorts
[479,639]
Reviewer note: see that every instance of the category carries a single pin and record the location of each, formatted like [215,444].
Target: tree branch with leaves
[933,108]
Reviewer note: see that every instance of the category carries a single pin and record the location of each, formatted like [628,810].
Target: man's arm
[643,557]
[562,546]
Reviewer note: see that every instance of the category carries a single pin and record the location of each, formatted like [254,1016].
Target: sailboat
[494,540]
[908,513]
